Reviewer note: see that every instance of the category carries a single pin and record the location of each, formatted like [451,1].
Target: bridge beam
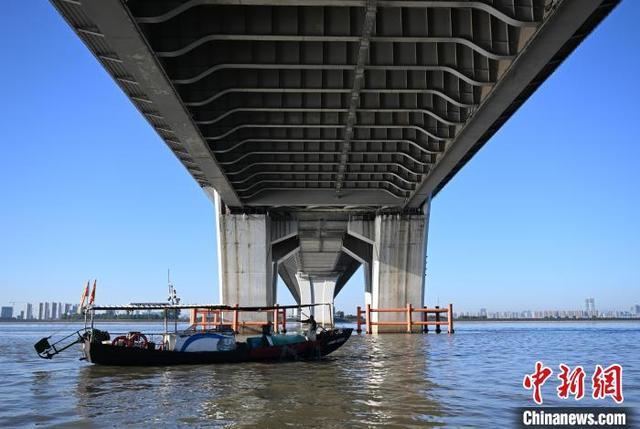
[287,272]
[365,105]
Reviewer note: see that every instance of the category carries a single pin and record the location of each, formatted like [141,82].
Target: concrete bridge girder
[317,122]
[287,271]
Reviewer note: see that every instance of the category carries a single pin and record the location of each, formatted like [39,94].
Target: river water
[470,379]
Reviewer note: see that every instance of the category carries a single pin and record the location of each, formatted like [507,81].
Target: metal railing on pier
[410,320]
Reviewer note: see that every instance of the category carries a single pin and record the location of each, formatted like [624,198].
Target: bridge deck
[329,103]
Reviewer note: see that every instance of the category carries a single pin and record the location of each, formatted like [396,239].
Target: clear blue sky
[545,215]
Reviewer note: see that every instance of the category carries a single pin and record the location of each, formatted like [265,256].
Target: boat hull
[107,354]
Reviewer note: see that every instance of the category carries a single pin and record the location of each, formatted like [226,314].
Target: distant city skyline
[40,310]
[47,310]
[589,311]
[545,212]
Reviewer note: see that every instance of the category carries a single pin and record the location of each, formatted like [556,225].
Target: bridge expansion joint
[371,9]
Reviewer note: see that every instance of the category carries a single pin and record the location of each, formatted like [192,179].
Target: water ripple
[470,379]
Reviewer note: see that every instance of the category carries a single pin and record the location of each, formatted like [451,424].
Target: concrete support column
[251,248]
[245,264]
[317,291]
[392,249]
[398,267]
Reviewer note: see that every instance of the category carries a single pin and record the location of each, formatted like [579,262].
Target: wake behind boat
[198,344]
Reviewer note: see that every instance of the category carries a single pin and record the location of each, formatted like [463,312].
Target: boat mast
[173,300]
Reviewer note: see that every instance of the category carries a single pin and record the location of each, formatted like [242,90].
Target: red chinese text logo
[605,382]
[572,382]
[536,380]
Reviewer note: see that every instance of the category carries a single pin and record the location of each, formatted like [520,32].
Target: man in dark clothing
[311,333]
[267,331]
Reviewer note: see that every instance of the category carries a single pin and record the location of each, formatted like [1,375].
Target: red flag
[85,293]
[92,298]
[83,298]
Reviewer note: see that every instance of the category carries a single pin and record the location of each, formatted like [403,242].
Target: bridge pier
[250,249]
[317,291]
[392,249]
[398,267]
[244,261]
[254,248]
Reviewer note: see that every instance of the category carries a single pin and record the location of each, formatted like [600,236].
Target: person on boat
[311,333]
[267,332]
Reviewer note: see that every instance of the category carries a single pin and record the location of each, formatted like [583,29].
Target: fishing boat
[200,343]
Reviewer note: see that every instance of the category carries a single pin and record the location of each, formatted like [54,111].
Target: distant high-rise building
[54,310]
[483,312]
[41,311]
[21,316]
[29,311]
[636,310]
[47,312]
[6,313]
[590,307]
[60,310]
[67,309]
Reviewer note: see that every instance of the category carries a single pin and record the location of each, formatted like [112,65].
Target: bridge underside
[312,116]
